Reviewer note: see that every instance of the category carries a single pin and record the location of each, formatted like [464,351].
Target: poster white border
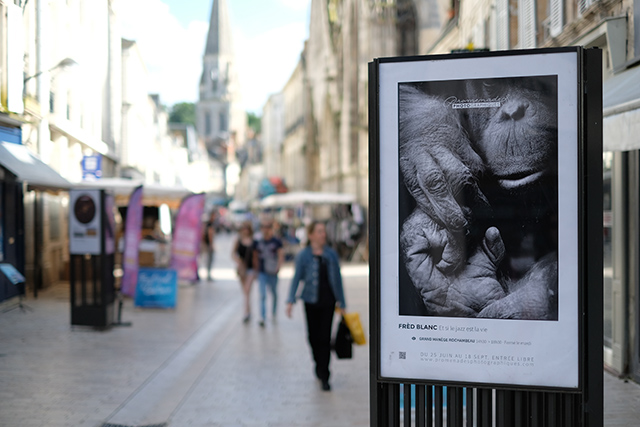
[513,352]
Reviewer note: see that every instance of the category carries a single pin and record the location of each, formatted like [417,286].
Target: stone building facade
[344,35]
[294,144]
[75,88]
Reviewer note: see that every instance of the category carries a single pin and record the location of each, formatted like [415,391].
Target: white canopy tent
[301,198]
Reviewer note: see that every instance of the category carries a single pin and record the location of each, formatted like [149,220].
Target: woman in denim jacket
[318,266]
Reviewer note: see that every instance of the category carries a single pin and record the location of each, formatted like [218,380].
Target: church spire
[220,120]
[219,37]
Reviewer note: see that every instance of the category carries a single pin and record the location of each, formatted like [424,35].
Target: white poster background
[491,351]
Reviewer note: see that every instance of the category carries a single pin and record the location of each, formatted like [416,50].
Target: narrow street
[196,365]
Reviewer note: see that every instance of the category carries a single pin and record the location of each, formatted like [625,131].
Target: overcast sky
[268,37]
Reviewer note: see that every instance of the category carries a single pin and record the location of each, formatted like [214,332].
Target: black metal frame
[512,405]
[92,282]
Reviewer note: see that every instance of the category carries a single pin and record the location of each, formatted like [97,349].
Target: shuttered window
[556,20]
[583,5]
[527,24]
[502,24]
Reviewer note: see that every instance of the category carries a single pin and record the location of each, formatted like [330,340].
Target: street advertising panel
[132,236]
[477,204]
[187,235]
[156,288]
[85,222]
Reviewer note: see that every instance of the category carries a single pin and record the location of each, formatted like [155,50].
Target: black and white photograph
[478,198]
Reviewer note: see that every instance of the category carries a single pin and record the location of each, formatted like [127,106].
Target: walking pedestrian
[268,257]
[243,256]
[318,266]
[209,234]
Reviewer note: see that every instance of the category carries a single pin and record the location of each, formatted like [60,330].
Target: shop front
[22,176]
[621,227]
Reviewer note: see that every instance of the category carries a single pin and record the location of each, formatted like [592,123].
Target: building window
[527,23]
[502,24]
[556,17]
[207,123]
[514,14]
[214,81]
[52,102]
[224,126]
[583,5]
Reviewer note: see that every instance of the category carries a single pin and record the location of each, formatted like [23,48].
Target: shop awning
[152,194]
[21,162]
[621,111]
[620,90]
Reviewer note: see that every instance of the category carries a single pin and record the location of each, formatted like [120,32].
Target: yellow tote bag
[355,327]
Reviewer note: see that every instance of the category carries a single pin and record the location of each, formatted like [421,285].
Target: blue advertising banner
[157,288]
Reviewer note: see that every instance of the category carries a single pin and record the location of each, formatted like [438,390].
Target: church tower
[220,120]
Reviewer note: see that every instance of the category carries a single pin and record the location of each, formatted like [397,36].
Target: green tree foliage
[254,122]
[183,112]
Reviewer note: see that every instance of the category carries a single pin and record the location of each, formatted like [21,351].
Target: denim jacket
[308,270]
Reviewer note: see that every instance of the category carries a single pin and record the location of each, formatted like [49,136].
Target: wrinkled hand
[451,285]
[534,296]
[432,256]
[477,286]
[438,163]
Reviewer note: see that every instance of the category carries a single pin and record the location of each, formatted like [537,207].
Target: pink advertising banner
[187,234]
[132,236]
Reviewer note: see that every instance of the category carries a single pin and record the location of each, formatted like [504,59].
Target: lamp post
[42,96]
[66,62]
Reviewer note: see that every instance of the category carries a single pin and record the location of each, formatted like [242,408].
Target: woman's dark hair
[247,225]
[311,227]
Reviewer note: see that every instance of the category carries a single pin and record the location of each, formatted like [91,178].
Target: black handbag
[342,344]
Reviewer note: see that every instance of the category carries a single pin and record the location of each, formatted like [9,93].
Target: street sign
[91,167]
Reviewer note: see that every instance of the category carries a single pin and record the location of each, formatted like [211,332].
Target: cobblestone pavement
[196,365]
